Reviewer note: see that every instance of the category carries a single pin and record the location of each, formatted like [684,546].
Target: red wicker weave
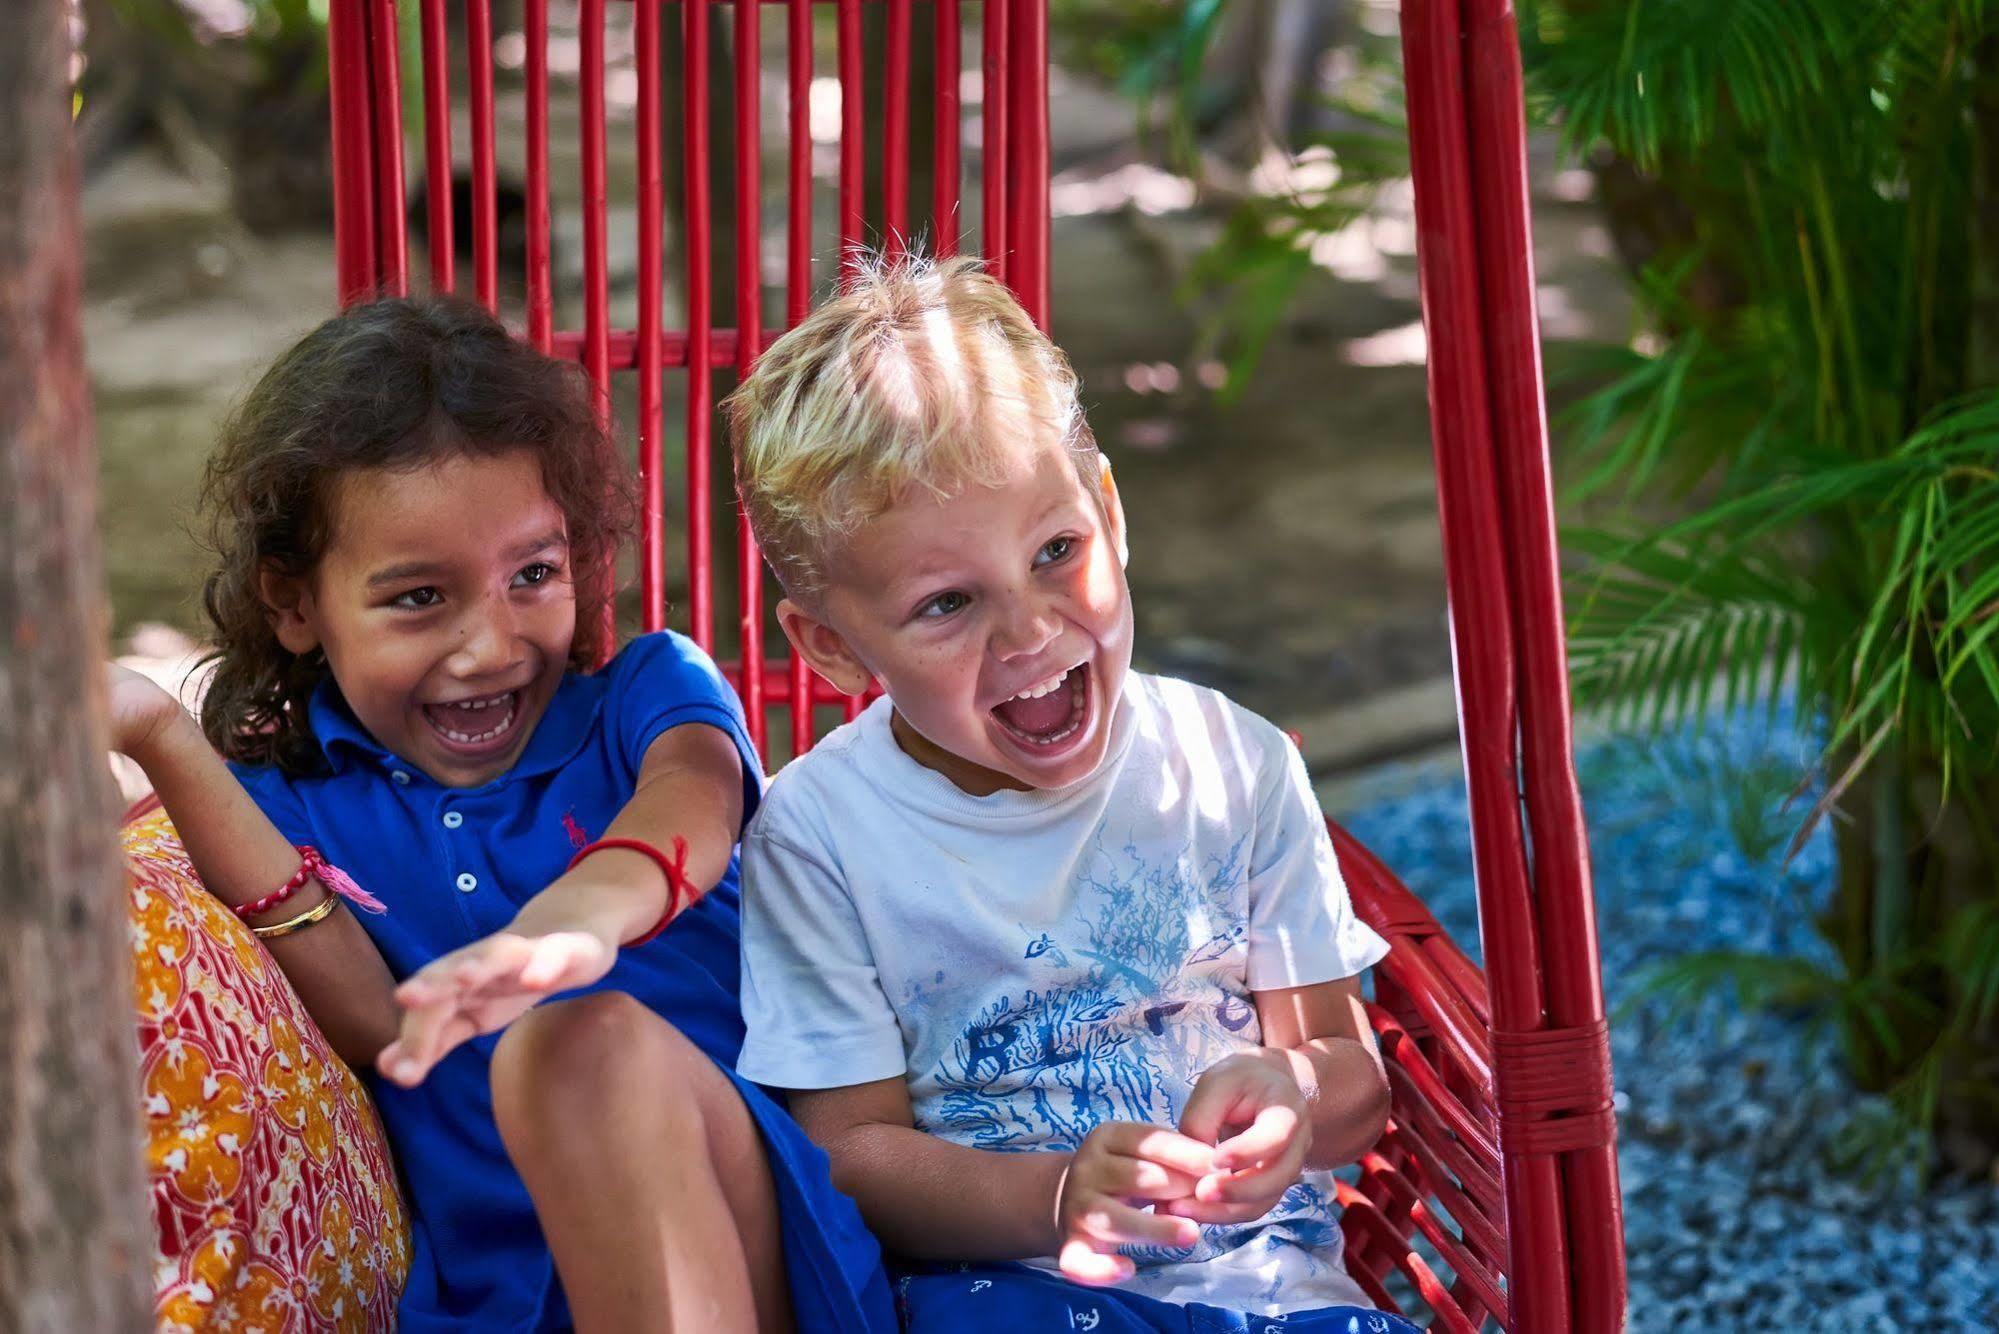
[1493,1196]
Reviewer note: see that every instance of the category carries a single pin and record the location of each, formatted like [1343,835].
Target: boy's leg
[647,1173]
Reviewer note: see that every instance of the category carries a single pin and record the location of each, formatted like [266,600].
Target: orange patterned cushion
[274,1203]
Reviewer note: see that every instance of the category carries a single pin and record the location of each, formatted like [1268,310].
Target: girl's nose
[489,646]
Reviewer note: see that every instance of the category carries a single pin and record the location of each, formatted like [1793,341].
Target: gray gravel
[1744,1207]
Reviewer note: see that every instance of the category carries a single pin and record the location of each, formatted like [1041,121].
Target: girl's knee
[574,1063]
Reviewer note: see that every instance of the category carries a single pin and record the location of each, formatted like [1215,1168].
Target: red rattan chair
[1493,1195]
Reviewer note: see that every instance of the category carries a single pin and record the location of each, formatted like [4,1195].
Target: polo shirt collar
[565,725]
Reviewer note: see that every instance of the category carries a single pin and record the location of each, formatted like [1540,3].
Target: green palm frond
[1657,638]
[1927,653]
[1677,74]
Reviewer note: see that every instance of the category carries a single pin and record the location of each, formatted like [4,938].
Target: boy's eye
[417,599]
[944,604]
[1056,551]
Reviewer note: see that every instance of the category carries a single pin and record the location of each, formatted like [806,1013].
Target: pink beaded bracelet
[311,864]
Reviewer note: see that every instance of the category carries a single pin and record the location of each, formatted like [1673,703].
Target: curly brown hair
[390,384]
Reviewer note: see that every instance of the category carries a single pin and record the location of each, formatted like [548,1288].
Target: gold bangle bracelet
[300,922]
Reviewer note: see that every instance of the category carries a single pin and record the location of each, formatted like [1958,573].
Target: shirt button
[401,779]
[452,819]
[467,882]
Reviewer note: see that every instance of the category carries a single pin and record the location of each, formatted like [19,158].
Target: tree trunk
[1911,862]
[73,1240]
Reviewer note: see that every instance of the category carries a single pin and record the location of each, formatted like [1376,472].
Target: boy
[1055,960]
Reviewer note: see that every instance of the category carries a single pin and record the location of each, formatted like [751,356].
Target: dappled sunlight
[1403,345]
[1573,185]
[1137,185]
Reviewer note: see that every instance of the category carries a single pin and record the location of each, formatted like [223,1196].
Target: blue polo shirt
[455,864]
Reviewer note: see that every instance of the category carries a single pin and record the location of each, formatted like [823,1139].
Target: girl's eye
[417,599]
[538,573]
[944,604]
[1055,552]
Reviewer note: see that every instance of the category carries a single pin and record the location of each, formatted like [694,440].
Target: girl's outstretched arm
[241,856]
[690,786]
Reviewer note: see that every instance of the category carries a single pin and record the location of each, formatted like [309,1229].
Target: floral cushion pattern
[275,1205]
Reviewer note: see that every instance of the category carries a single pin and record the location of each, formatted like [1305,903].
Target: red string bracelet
[678,886]
[311,865]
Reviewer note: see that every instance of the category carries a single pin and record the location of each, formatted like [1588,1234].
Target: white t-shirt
[1037,963]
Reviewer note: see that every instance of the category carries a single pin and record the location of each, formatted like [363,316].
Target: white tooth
[1048,687]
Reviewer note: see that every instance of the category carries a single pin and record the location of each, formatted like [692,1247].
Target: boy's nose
[1026,633]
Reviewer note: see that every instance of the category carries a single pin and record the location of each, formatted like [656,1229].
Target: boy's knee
[569,1064]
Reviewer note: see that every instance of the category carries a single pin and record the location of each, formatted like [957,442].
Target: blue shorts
[1004,1299]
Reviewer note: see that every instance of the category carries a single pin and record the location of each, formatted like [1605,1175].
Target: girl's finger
[429,1031]
[420,987]
[498,964]
[459,1028]
[1113,1224]
[1084,1263]
[1274,1130]
[413,1043]
[389,1057]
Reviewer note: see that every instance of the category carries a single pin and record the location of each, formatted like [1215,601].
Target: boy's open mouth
[1049,713]
[475,726]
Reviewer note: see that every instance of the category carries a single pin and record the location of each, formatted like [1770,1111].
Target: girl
[416,517]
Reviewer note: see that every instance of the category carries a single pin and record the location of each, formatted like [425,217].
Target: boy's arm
[1313,1096]
[1320,1036]
[927,1198]
[690,786]
[240,855]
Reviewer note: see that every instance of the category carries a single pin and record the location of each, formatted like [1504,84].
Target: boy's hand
[1254,1114]
[481,989]
[140,708]
[1118,1166]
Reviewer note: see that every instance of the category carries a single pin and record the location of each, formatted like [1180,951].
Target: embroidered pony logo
[579,838]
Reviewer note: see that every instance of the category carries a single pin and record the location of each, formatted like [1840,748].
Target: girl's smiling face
[445,607]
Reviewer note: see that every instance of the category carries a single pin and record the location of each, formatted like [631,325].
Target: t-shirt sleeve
[813,1008]
[1302,927]
[660,681]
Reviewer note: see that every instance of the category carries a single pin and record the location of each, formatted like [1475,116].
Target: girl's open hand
[140,709]
[1255,1115]
[481,989]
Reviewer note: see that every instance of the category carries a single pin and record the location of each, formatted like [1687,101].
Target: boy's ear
[1113,509]
[288,606]
[825,648]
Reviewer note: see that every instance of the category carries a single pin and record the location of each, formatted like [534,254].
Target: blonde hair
[918,376]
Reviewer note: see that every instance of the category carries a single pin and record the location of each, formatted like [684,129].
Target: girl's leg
[646,1170]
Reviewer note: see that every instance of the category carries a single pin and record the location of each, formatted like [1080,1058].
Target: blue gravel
[1742,1208]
